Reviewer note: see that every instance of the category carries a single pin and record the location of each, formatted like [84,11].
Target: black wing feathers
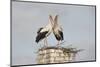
[61,34]
[40,36]
[59,37]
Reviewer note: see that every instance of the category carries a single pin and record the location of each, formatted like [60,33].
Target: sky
[78,23]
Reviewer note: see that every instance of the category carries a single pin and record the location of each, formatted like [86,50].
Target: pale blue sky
[78,23]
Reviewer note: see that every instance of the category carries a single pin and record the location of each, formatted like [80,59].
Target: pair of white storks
[54,27]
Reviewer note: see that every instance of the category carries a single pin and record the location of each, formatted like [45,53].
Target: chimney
[55,55]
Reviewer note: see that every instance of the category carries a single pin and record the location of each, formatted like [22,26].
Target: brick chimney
[55,55]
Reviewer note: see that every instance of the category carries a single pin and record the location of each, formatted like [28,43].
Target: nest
[65,50]
[54,54]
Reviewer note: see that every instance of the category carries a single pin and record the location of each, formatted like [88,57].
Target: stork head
[55,21]
[51,20]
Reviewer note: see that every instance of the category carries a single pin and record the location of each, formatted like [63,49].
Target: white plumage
[54,27]
[57,30]
[44,32]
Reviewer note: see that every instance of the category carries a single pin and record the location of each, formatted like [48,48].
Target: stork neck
[50,23]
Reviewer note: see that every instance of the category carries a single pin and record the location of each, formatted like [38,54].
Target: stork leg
[45,42]
[58,43]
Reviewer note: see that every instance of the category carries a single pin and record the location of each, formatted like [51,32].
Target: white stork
[44,32]
[57,30]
